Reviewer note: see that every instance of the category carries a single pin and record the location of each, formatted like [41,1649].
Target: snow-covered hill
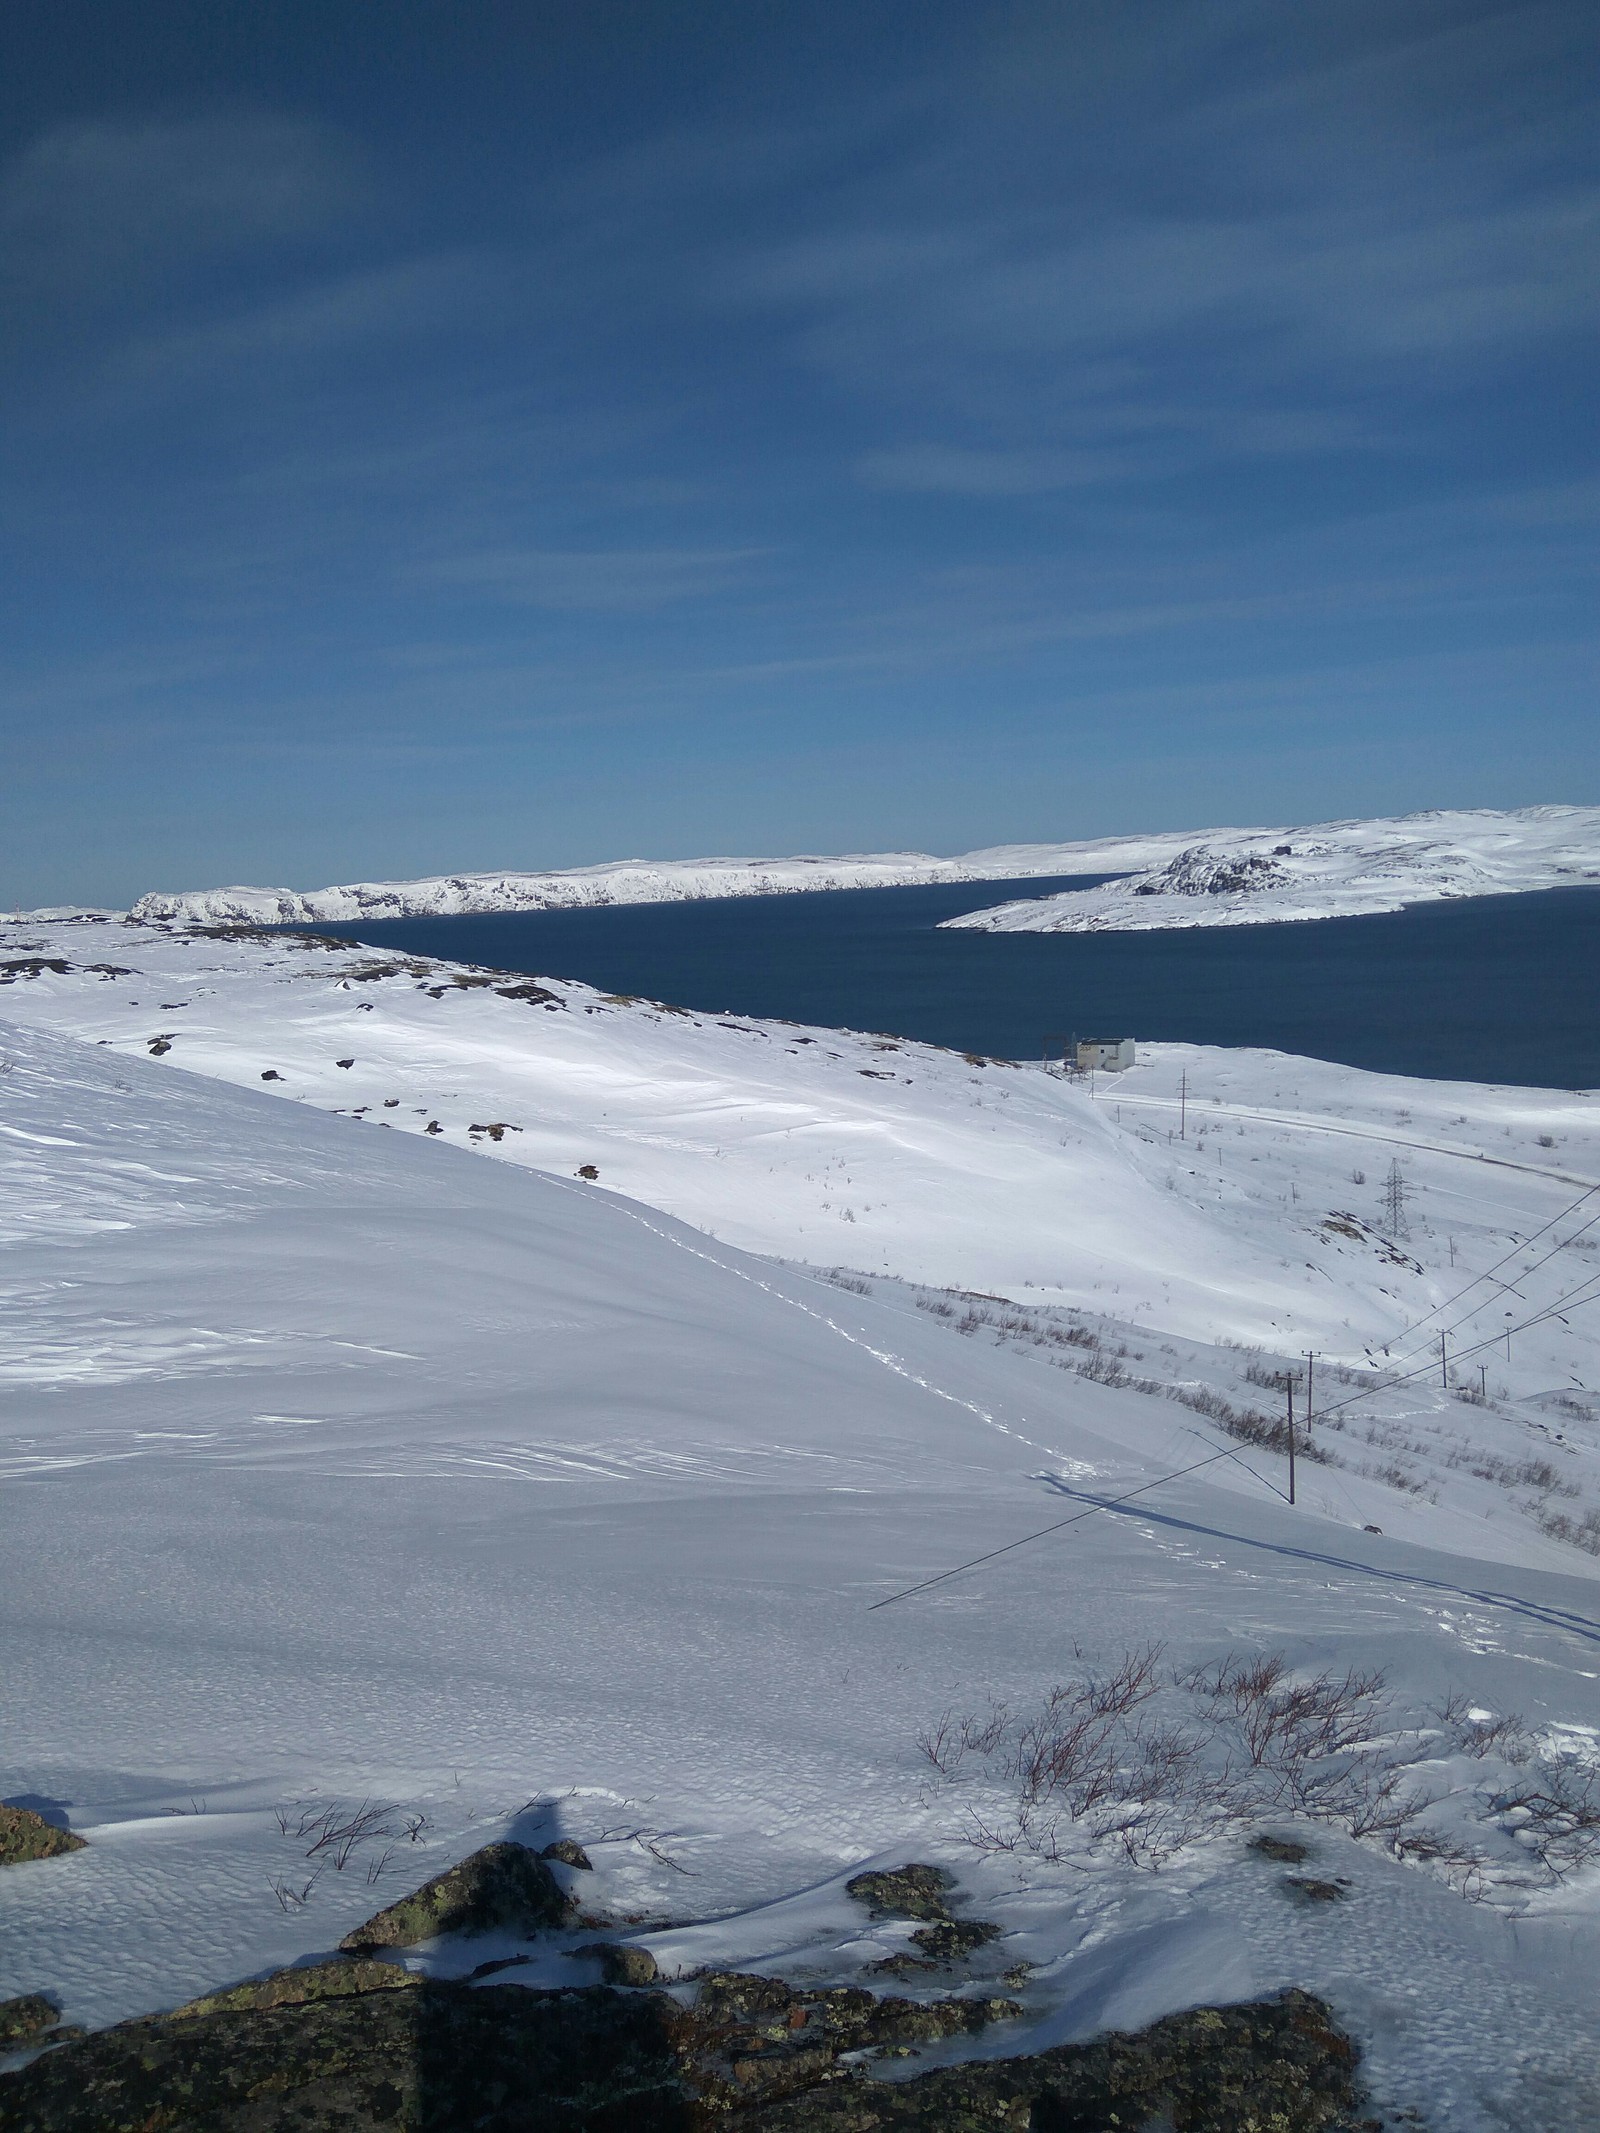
[349,1472]
[1329,870]
[1176,877]
[1223,1238]
[643,881]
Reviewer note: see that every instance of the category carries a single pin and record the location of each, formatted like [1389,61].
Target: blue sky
[461,435]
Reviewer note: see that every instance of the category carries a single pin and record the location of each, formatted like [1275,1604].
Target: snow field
[348,1467]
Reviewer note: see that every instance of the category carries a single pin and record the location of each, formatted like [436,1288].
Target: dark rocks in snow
[588,1170]
[31,2019]
[948,1941]
[160,1046]
[570,1853]
[1288,1851]
[344,1062]
[339,1979]
[271,1074]
[751,2055]
[621,1964]
[504,1887]
[1310,1890]
[914,1891]
[25,1836]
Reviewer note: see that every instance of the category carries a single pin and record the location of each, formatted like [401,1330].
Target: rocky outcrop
[399,2055]
[25,1836]
[504,1887]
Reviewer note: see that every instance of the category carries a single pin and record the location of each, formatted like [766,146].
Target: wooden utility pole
[1183,1105]
[1288,1386]
[1444,1368]
[1311,1364]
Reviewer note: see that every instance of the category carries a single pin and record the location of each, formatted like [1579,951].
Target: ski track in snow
[342,1465]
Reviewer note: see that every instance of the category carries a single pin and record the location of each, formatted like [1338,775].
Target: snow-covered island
[1265,877]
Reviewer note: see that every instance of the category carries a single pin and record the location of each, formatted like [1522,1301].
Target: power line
[1505,1287]
[1109,1504]
[1532,1238]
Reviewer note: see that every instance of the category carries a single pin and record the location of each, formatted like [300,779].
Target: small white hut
[1107,1054]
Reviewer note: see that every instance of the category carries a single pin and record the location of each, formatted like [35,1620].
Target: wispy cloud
[128,198]
[601,581]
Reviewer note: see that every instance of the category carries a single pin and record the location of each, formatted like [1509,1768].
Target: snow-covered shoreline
[644,881]
[1173,878]
[1324,870]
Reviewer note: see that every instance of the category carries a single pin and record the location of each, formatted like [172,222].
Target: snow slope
[1233,1247]
[345,1467]
[1329,870]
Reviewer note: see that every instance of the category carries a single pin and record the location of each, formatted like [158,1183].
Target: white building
[1109,1054]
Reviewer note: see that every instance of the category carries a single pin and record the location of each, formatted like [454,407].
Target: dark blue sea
[1500,988]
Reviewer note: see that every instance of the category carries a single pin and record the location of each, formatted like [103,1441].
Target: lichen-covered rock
[1308,1889]
[621,1964]
[751,2056]
[914,1891]
[504,1887]
[506,2060]
[1288,1850]
[949,1941]
[495,2058]
[24,2018]
[1274,2066]
[297,1988]
[25,1835]
[567,1849]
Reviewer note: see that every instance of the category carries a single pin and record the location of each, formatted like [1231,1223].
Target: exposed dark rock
[337,1980]
[25,1835]
[913,1891]
[1286,1850]
[535,995]
[621,1964]
[25,2018]
[751,2055]
[950,1941]
[504,1886]
[1310,1891]
[272,1074]
[32,966]
[160,1046]
[588,1170]
[567,1849]
[344,1062]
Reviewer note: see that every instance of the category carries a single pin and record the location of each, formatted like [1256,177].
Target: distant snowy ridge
[1328,870]
[645,881]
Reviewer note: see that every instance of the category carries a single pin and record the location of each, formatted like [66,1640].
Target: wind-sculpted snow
[1328,870]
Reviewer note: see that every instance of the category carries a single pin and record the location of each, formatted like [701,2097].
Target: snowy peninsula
[647,881]
[1215,877]
[1265,877]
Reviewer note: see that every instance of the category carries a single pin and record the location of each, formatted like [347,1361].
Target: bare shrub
[1147,1760]
[1577,1532]
[1556,1815]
